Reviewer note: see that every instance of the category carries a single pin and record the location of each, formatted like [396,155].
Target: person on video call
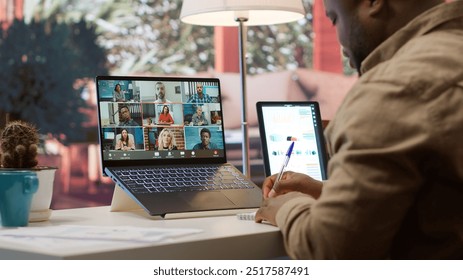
[166,140]
[198,118]
[164,117]
[118,94]
[205,143]
[125,118]
[216,118]
[160,89]
[395,176]
[125,142]
[200,96]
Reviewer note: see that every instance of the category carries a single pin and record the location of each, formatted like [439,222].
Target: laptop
[165,146]
[284,122]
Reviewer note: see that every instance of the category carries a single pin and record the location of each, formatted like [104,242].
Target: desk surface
[222,237]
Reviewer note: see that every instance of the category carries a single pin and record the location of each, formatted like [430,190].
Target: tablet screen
[280,124]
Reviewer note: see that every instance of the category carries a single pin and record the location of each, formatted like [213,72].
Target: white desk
[223,237]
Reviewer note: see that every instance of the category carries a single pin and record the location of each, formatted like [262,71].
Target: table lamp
[238,13]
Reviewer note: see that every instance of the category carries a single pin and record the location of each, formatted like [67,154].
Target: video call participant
[118,94]
[160,94]
[200,96]
[216,118]
[198,118]
[126,119]
[166,140]
[164,117]
[206,143]
[125,142]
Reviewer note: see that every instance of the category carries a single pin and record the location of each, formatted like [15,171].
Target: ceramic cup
[16,190]
[40,206]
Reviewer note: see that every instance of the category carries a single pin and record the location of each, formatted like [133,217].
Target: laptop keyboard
[182,179]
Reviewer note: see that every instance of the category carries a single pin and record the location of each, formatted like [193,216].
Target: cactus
[19,142]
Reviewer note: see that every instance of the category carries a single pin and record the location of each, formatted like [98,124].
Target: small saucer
[39,216]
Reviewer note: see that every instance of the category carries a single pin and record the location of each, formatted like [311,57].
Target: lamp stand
[244,125]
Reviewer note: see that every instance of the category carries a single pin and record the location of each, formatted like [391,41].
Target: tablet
[284,122]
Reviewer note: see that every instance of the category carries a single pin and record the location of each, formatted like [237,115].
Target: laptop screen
[285,122]
[159,120]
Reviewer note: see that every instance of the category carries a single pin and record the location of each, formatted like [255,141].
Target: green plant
[19,143]
[45,65]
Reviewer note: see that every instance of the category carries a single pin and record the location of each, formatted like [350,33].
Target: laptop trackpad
[207,200]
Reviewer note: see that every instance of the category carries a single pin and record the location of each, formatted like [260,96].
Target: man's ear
[375,7]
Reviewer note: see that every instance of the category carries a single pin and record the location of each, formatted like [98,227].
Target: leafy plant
[40,63]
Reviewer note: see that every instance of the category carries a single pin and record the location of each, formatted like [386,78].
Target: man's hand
[270,206]
[292,182]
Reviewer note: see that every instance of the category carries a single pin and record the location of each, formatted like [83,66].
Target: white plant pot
[41,201]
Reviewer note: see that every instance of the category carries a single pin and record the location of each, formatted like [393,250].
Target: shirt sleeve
[131,144]
[118,145]
[373,179]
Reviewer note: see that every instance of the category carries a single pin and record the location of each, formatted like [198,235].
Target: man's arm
[373,180]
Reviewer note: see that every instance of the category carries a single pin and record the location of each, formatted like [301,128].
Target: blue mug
[16,190]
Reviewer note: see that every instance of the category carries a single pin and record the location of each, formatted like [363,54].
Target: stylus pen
[283,166]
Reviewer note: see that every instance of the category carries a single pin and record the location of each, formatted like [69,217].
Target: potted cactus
[19,144]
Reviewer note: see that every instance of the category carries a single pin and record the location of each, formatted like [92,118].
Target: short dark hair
[205,130]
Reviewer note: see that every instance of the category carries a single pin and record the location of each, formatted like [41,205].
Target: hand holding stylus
[282,170]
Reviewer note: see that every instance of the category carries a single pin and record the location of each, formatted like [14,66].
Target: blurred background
[51,50]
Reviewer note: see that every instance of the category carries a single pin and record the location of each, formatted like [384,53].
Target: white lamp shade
[225,12]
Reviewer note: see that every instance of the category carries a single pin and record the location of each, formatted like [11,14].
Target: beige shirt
[395,187]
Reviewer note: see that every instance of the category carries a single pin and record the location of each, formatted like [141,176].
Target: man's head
[362,25]
[199,89]
[125,113]
[205,136]
[199,110]
[160,90]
